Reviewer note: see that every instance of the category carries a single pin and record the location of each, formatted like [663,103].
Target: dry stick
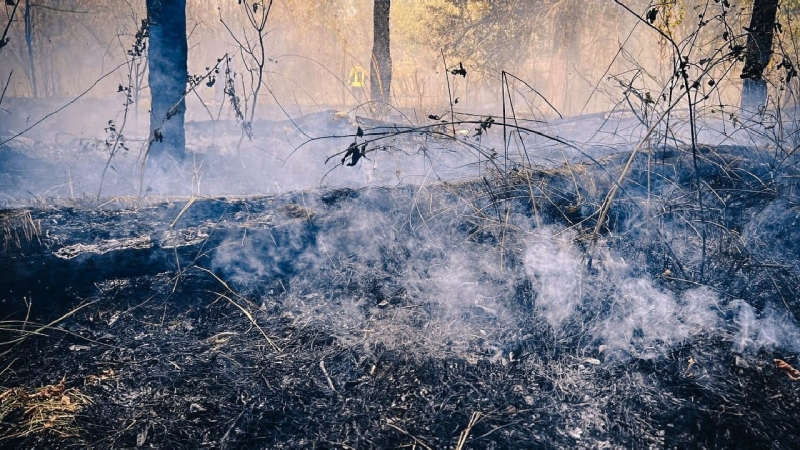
[416,439]
[244,311]
[44,327]
[494,199]
[613,191]
[200,99]
[522,141]
[462,439]
[537,220]
[506,74]
[35,124]
[249,317]
[5,88]
[119,137]
[230,428]
[692,130]
[400,130]
[327,377]
[600,79]
[450,94]
[503,240]
[29,304]
[183,210]
[8,367]
[503,90]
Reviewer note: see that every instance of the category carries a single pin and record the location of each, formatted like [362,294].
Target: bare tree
[758,53]
[381,67]
[253,53]
[567,34]
[27,15]
[4,41]
[168,76]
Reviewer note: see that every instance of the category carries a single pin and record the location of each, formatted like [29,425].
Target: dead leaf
[791,372]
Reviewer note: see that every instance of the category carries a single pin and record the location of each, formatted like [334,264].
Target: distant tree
[47,26]
[7,25]
[486,35]
[4,41]
[758,53]
[565,53]
[168,76]
[381,67]
[27,14]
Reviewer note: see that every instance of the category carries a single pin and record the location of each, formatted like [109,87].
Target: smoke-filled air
[384,224]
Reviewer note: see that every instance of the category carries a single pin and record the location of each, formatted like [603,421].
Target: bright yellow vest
[358,76]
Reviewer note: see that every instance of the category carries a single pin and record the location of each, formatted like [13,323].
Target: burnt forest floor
[453,315]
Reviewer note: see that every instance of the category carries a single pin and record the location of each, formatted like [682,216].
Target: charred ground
[418,316]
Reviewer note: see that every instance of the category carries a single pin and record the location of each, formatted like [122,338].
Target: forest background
[579,55]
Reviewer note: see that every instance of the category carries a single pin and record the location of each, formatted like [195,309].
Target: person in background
[357,81]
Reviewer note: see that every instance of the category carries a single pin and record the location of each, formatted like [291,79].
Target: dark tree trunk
[29,46]
[757,54]
[380,82]
[168,75]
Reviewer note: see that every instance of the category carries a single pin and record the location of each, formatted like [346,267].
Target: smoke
[374,268]
[557,272]
[629,315]
[771,330]
[646,321]
[620,311]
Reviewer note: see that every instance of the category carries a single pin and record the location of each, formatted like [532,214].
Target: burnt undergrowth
[449,315]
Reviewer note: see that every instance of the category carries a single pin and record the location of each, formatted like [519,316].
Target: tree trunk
[757,54]
[29,46]
[380,82]
[565,53]
[167,77]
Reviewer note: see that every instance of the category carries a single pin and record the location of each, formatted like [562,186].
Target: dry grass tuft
[18,228]
[48,409]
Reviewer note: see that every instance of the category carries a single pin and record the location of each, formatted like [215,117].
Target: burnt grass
[154,323]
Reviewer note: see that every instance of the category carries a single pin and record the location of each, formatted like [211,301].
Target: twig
[416,439]
[35,124]
[241,308]
[506,75]
[450,94]
[503,240]
[228,433]
[327,377]
[5,88]
[251,319]
[183,210]
[473,420]
[613,191]
[44,327]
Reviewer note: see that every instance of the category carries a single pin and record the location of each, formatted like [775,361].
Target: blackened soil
[181,343]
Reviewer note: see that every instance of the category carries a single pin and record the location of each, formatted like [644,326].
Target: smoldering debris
[420,316]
